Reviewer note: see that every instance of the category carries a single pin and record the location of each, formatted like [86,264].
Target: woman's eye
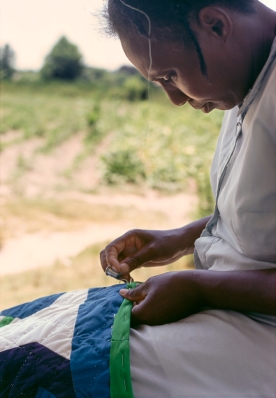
[167,80]
[170,77]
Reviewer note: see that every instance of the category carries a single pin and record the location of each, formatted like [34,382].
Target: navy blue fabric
[91,342]
[25,369]
[44,394]
[34,371]
[24,310]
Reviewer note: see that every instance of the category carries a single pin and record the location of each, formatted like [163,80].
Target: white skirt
[212,354]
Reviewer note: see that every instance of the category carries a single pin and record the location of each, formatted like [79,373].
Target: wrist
[202,283]
[190,233]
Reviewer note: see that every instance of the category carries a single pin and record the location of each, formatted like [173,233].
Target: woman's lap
[211,354]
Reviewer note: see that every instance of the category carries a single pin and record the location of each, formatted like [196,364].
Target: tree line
[65,63]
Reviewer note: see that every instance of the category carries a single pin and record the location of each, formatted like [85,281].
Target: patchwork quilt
[67,345]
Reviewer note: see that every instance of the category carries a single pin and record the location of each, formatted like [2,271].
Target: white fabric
[245,234]
[213,354]
[219,354]
[50,326]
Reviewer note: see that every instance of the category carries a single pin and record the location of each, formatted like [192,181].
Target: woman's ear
[216,22]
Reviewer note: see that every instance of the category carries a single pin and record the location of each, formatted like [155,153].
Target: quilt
[67,345]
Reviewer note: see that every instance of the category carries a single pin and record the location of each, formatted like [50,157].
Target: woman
[214,54]
[203,333]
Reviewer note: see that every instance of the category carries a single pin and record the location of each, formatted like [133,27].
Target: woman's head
[170,20]
[195,55]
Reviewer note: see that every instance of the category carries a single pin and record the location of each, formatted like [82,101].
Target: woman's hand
[149,248]
[164,298]
[139,248]
[170,297]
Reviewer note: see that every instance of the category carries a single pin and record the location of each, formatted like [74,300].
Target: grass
[83,271]
[166,146]
[37,114]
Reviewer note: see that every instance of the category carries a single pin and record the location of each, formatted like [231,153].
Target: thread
[150,63]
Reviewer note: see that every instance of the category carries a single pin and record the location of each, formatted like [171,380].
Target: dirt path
[43,248]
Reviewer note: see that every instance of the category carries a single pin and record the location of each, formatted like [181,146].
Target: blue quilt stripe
[91,342]
[24,310]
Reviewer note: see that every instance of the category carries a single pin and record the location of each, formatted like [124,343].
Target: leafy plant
[123,166]
[135,89]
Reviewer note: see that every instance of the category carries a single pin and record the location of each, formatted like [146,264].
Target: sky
[32,27]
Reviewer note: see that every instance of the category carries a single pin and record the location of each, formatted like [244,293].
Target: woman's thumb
[137,294]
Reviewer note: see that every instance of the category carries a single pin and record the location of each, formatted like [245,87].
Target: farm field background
[81,164]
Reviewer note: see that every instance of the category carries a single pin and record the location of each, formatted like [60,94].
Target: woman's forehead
[156,55]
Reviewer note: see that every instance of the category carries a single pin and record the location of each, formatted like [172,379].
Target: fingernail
[124,268]
[123,292]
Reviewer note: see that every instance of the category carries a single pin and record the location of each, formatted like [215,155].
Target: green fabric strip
[120,376]
[6,321]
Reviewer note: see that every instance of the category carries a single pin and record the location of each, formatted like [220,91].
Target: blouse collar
[258,83]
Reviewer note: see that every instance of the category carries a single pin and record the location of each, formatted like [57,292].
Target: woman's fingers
[136,260]
[138,248]
[135,295]
[138,296]
[110,257]
[164,298]
[103,260]
[126,254]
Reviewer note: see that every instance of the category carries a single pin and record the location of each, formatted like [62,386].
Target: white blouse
[242,233]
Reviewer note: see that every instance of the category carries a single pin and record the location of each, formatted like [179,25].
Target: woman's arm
[239,290]
[172,296]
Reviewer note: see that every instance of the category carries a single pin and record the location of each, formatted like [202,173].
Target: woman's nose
[176,96]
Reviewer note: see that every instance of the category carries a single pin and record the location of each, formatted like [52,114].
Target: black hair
[170,19]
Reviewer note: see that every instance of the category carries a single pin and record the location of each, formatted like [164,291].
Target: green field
[134,146]
[150,142]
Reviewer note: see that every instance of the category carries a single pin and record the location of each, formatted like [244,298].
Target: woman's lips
[206,108]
